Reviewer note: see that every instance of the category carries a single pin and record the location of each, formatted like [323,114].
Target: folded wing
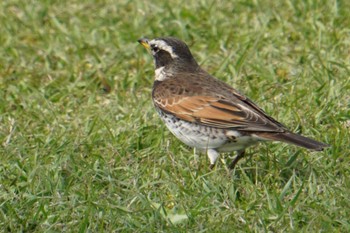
[219,112]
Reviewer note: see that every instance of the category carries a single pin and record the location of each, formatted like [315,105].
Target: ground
[83,150]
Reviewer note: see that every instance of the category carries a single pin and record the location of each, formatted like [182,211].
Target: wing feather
[215,112]
[222,107]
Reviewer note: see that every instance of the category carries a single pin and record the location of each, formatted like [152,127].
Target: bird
[204,112]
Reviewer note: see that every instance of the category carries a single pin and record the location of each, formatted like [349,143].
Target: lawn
[83,150]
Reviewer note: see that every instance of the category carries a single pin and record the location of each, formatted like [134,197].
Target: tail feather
[295,139]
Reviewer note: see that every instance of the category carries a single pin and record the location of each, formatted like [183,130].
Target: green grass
[82,149]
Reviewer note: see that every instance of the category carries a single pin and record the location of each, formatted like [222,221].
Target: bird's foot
[240,155]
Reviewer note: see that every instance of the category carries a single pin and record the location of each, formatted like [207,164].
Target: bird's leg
[240,154]
[213,155]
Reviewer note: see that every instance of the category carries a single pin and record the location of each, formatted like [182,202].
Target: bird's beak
[144,42]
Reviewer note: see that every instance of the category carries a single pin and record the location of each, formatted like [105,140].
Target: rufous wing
[217,112]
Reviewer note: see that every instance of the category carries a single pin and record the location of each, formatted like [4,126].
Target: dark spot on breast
[232,139]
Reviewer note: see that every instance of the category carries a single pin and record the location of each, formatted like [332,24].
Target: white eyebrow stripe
[163,46]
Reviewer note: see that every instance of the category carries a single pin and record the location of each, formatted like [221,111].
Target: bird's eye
[155,49]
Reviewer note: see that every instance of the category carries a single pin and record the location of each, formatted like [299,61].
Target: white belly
[204,138]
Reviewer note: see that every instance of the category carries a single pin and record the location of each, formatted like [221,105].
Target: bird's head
[170,53]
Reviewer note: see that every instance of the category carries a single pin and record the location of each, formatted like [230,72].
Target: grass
[82,149]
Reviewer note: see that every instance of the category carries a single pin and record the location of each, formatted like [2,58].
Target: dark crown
[176,52]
